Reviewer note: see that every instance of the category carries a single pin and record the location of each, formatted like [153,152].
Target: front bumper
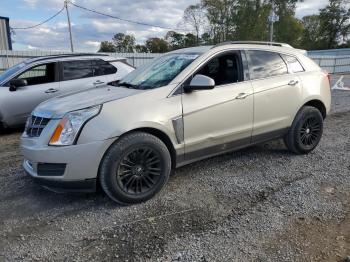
[60,186]
[81,163]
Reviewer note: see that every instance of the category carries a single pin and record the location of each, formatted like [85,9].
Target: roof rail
[77,54]
[67,55]
[254,43]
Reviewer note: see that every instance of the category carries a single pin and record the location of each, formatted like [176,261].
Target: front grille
[36,125]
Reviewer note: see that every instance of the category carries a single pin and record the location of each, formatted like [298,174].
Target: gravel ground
[256,204]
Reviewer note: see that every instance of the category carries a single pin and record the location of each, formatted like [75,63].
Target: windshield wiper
[128,85]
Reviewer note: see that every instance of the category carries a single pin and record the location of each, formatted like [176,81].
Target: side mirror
[16,83]
[200,82]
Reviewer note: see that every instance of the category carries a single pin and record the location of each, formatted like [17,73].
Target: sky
[90,29]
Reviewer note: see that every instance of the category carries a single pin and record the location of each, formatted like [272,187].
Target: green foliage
[334,27]
[311,36]
[107,46]
[214,21]
[251,20]
[124,43]
[157,45]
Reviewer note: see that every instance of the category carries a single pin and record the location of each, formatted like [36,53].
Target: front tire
[135,168]
[305,132]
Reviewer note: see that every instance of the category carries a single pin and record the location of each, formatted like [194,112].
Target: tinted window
[76,70]
[40,74]
[293,64]
[101,68]
[224,69]
[266,64]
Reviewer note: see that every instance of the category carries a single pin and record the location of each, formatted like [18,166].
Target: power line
[125,20]
[43,22]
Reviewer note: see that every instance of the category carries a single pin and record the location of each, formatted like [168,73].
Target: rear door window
[293,64]
[101,68]
[72,70]
[265,64]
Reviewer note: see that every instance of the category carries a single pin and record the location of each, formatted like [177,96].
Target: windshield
[11,71]
[159,72]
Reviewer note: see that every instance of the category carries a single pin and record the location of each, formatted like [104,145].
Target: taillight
[329,77]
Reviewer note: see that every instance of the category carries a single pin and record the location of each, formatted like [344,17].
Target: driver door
[220,119]
[42,85]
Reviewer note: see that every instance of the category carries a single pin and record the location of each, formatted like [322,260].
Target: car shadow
[10,131]
[28,192]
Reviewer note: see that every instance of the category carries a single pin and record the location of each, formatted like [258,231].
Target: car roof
[68,57]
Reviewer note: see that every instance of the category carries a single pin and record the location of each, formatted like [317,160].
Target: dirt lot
[257,204]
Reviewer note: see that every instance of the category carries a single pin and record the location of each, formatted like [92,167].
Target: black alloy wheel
[306,131]
[139,170]
[135,168]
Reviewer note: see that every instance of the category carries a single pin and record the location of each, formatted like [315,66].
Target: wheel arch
[163,137]
[318,104]
[157,133]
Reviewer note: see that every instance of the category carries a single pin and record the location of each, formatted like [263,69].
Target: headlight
[70,125]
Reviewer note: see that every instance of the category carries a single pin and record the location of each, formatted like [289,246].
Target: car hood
[57,107]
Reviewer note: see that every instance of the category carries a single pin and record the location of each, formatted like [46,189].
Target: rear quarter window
[265,64]
[293,64]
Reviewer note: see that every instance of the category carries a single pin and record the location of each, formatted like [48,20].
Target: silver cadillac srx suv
[184,106]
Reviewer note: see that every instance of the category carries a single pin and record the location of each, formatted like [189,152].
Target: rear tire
[135,168]
[305,132]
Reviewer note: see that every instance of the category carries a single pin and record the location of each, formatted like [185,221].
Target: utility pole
[69,25]
[272,19]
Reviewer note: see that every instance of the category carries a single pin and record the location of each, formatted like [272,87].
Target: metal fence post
[7,58]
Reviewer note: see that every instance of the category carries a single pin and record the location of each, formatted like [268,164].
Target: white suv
[184,106]
[26,85]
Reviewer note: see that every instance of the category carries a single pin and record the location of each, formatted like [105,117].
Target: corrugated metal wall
[338,62]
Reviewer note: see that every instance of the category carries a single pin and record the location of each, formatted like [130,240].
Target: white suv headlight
[70,125]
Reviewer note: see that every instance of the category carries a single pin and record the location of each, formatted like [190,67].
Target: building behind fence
[334,61]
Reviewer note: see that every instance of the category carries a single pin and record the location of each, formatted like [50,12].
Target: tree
[124,43]
[219,15]
[195,17]
[191,40]
[334,23]
[141,49]
[157,45]
[108,47]
[255,28]
[175,40]
[206,39]
[311,37]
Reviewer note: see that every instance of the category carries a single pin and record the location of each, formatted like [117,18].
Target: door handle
[51,90]
[242,96]
[293,82]
[98,82]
